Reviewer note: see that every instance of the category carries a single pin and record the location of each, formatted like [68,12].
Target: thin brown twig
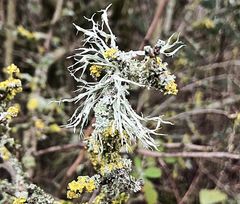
[93,196]
[170,179]
[192,187]
[54,20]
[201,111]
[153,26]
[188,87]
[223,64]
[215,179]
[169,16]
[222,155]
[10,38]
[71,171]
[77,161]
[66,147]
[187,146]
[2,13]
[75,164]
[204,81]
[58,148]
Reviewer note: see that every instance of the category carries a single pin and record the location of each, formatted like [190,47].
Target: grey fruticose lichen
[117,126]
[119,70]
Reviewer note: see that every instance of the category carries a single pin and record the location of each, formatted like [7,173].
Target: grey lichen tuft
[116,72]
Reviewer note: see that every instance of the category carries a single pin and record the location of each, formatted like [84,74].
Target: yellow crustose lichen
[54,128]
[71,195]
[99,198]
[95,70]
[122,198]
[25,33]
[158,60]
[12,69]
[32,104]
[39,124]
[4,153]
[13,111]
[19,201]
[171,88]
[109,167]
[106,164]
[77,187]
[110,162]
[110,53]
[205,22]
[11,86]
[109,132]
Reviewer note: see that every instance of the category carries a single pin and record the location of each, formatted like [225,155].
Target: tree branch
[151,29]
[201,111]
[9,43]
[192,187]
[221,155]
[170,179]
[58,148]
[55,18]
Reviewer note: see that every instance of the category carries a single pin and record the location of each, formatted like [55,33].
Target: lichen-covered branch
[15,188]
[117,126]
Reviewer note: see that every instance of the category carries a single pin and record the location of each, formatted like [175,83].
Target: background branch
[153,25]
[222,155]
[10,26]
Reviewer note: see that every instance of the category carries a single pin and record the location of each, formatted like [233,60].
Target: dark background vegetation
[204,139]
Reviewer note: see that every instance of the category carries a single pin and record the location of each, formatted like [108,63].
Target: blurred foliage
[205,113]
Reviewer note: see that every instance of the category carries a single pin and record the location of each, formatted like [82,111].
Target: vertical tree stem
[10,24]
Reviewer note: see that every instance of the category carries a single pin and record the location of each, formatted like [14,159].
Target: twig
[222,155]
[93,196]
[151,29]
[54,20]
[171,180]
[144,96]
[217,104]
[192,187]
[162,106]
[2,15]
[187,146]
[216,181]
[200,111]
[169,15]
[230,148]
[66,147]
[188,87]
[205,81]
[71,171]
[75,164]
[228,63]
[58,148]
[77,161]
[225,102]
[9,43]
